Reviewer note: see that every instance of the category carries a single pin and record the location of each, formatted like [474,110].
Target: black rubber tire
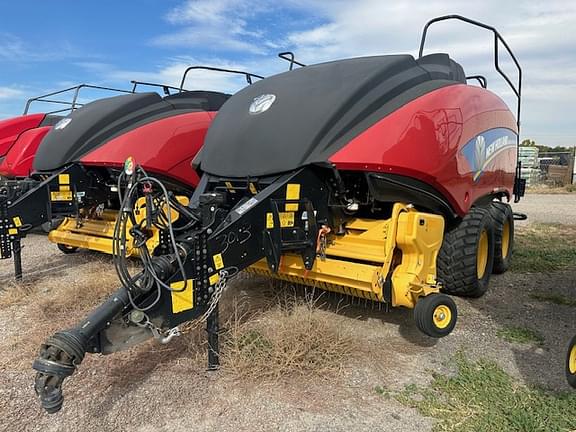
[424,314]
[570,375]
[456,262]
[67,249]
[502,212]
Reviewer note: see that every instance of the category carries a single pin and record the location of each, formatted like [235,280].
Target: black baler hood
[317,110]
[98,122]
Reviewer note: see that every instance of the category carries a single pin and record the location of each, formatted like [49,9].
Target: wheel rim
[505,239]
[482,255]
[572,361]
[442,316]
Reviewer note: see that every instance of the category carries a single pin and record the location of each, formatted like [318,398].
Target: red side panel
[459,139]
[165,146]
[19,159]
[11,128]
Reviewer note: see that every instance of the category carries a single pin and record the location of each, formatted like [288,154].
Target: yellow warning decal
[182,300]
[292,193]
[230,187]
[286,220]
[13,231]
[64,179]
[214,279]
[61,196]
[64,188]
[253,189]
[218,261]
[17,221]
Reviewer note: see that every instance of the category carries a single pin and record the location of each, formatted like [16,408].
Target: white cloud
[216,24]
[16,49]
[10,93]
[171,74]
[541,35]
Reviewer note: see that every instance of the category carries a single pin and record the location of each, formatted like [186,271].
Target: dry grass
[544,248]
[272,330]
[49,305]
[554,190]
[294,337]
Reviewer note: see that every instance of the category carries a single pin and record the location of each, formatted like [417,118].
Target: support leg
[17,250]
[212,328]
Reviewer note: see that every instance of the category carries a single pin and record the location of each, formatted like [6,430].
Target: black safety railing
[166,89]
[498,39]
[517,89]
[289,56]
[480,78]
[249,76]
[71,104]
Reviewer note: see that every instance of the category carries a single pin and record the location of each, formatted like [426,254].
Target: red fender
[447,138]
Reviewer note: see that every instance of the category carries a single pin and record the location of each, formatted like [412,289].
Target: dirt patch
[155,387]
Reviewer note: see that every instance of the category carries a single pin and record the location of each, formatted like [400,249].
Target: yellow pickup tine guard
[392,260]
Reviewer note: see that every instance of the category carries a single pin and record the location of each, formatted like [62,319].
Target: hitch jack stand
[17,250]
[212,328]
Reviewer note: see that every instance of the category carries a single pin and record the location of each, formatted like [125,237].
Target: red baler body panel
[166,146]
[19,159]
[10,129]
[460,139]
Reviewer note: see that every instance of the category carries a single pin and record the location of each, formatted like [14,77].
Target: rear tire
[503,219]
[571,363]
[466,257]
[435,315]
[67,249]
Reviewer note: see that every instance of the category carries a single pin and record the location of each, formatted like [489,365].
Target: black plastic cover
[97,122]
[318,109]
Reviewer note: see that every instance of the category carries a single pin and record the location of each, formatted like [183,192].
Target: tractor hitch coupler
[63,352]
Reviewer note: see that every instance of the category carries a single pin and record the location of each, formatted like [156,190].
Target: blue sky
[46,46]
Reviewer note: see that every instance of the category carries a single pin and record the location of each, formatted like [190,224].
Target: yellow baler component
[359,263]
[419,237]
[93,234]
[97,233]
[342,276]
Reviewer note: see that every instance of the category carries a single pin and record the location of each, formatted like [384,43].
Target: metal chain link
[219,288]
[167,335]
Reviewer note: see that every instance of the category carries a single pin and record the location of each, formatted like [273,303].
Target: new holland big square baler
[77,161]
[381,177]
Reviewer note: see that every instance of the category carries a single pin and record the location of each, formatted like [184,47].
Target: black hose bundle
[158,214]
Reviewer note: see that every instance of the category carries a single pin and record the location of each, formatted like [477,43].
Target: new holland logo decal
[62,123]
[481,150]
[262,103]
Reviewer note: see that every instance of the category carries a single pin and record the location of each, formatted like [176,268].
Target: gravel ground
[153,388]
[548,208]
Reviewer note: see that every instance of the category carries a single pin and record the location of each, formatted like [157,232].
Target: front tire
[503,219]
[436,315]
[571,363]
[466,257]
[67,249]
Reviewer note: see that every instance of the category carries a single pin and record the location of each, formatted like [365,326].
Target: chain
[166,336]
[219,288]
[322,242]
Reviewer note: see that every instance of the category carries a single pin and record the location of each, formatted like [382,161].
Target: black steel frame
[480,78]
[71,105]
[165,88]
[519,184]
[497,40]
[247,75]
[289,56]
